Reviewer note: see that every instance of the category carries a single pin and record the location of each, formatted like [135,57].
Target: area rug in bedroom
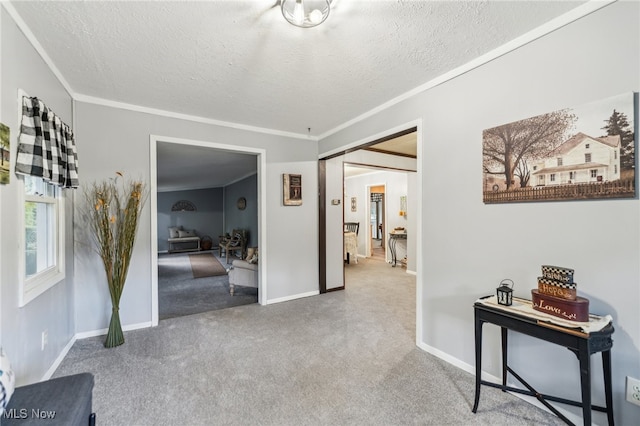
[206,265]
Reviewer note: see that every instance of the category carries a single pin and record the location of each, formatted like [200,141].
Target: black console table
[393,239]
[580,343]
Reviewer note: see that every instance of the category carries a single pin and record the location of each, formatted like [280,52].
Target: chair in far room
[352,227]
[350,240]
[236,242]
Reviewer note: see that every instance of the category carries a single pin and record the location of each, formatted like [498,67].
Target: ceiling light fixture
[305,13]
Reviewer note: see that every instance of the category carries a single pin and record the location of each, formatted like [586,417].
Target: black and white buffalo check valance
[46,146]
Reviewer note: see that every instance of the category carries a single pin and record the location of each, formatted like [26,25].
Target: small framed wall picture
[292,189]
[354,204]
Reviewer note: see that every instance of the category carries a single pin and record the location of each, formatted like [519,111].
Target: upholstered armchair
[244,272]
[236,242]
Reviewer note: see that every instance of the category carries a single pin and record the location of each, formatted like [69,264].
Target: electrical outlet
[633,390]
[45,339]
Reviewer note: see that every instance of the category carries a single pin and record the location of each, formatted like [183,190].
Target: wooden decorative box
[558,273]
[557,288]
[571,310]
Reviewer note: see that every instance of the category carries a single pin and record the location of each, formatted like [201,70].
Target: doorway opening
[377,245]
[190,169]
[396,150]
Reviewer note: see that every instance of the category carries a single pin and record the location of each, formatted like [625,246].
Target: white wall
[21,328]
[117,139]
[468,247]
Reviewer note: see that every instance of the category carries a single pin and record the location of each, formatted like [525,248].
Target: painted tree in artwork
[618,124]
[506,149]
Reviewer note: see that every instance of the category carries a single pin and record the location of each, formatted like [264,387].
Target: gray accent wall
[207,220]
[235,218]
[21,327]
[467,247]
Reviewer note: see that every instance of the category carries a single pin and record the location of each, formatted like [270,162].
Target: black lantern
[505,292]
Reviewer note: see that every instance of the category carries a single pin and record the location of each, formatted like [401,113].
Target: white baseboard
[58,360]
[453,361]
[293,297]
[103,331]
[491,378]
[411,272]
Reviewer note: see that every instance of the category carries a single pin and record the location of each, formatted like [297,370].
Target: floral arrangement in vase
[114,207]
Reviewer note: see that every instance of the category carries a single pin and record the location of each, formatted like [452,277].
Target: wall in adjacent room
[206,220]
[247,219]
[468,247]
[21,328]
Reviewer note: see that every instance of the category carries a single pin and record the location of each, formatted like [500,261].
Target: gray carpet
[342,358]
[180,294]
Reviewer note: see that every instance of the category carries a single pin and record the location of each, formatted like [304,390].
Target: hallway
[377,250]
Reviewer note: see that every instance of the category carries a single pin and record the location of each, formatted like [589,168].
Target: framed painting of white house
[577,153]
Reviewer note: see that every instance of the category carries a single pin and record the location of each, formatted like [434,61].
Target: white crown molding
[188,117]
[79,97]
[547,28]
[241,178]
[187,188]
[191,187]
[37,46]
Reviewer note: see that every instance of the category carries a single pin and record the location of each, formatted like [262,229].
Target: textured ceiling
[241,62]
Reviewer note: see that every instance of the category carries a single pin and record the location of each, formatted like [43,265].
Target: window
[615,168]
[552,177]
[594,173]
[572,175]
[586,146]
[587,158]
[615,155]
[559,161]
[535,168]
[42,240]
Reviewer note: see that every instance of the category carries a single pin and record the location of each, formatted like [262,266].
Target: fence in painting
[624,188]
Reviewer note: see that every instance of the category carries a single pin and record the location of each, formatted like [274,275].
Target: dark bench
[60,401]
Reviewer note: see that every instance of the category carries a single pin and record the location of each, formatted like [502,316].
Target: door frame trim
[411,126]
[153,201]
